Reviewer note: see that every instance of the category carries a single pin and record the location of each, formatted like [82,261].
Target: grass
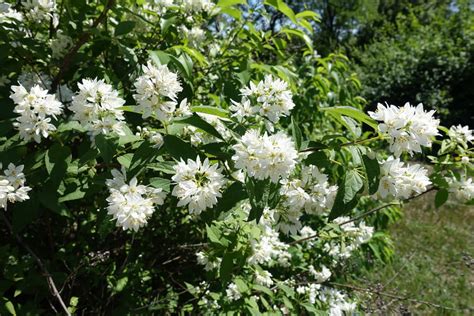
[433,263]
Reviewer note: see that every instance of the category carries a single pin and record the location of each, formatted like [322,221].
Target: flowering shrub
[172,155]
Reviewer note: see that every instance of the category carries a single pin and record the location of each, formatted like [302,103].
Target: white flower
[131,204]
[461,135]
[311,290]
[60,45]
[12,185]
[197,6]
[209,265]
[267,248]
[157,91]
[195,35]
[39,10]
[463,189]
[320,276]
[242,110]
[408,127]
[36,107]
[273,97]
[198,184]
[96,107]
[232,292]
[265,156]
[401,182]
[312,193]
[9,15]
[263,278]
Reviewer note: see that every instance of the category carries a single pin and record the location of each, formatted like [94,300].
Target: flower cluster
[198,184]
[268,248]
[12,185]
[36,107]
[9,15]
[463,189]
[195,35]
[131,204]
[461,135]
[265,156]
[204,260]
[157,91]
[400,182]
[272,95]
[197,6]
[97,107]
[39,10]
[233,293]
[408,127]
[312,193]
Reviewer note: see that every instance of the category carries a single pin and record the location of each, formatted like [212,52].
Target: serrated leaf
[346,197]
[372,170]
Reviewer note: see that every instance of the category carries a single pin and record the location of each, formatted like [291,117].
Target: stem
[49,279]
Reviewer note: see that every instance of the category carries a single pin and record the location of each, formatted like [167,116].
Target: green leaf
[213,234]
[10,308]
[196,121]
[144,154]
[441,197]
[211,110]
[124,27]
[262,289]
[178,148]
[241,285]
[159,57]
[107,147]
[120,285]
[372,170]
[227,265]
[234,194]
[283,8]
[299,34]
[352,112]
[161,183]
[296,133]
[125,160]
[228,3]
[346,197]
[319,159]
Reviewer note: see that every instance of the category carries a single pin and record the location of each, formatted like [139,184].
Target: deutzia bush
[175,156]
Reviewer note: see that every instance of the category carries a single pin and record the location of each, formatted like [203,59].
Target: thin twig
[403,298]
[67,60]
[49,279]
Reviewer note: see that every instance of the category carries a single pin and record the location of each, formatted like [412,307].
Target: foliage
[210,166]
